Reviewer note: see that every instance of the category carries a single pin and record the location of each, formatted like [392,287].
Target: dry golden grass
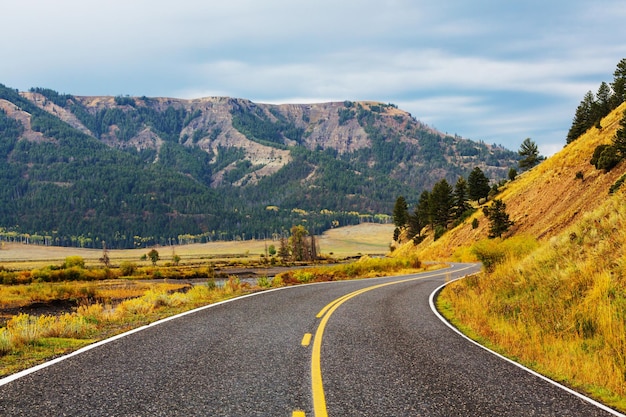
[555,300]
[560,308]
[366,238]
[28,339]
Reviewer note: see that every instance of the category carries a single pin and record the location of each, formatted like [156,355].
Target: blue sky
[487,70]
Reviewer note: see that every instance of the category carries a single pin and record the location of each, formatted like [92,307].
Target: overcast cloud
[486,70]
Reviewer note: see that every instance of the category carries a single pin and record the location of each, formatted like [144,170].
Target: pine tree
[619,84]
[619,141]
[441,202]
[478,184]
[499,219]
[400,212]
[460,196]
[529,153]
[583,118]
[603,102]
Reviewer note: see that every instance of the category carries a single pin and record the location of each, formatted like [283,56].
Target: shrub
[605,157]
[617,184]
[439,231]
[264,282]
[74,261]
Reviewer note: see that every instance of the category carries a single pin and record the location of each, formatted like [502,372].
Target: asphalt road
[379,352]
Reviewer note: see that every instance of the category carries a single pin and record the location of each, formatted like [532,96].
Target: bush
[605,157]
[439,231]
[491,252]
[74,261]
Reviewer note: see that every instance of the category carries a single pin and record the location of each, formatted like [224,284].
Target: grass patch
[44,349]
[558,307]
[365,267]
[27,339]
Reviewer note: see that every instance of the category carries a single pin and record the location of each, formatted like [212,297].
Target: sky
[488,70]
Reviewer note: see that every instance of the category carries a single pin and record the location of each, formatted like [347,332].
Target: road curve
[383,353]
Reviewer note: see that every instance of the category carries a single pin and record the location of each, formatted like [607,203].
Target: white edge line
[25,372]
[545,378]
[36,368]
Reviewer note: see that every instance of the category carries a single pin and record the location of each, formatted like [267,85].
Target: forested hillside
[136,171]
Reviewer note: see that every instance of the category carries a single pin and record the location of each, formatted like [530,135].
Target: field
[343,242]
[59,299]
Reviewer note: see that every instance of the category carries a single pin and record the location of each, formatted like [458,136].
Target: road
[380,351]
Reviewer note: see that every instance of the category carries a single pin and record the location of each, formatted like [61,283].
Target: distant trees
[445,206]
[153,255]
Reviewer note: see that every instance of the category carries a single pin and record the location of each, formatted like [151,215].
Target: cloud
[501,71]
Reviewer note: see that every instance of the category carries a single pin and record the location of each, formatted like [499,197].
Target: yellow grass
[111,306]
[366,238]
[560,308]
[543,201]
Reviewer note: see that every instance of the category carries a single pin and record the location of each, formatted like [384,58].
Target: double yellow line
[319,398]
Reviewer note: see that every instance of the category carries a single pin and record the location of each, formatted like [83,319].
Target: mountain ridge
[336,162]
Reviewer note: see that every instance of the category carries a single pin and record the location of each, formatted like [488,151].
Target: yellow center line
[319,397]
[306,339]
[298,413]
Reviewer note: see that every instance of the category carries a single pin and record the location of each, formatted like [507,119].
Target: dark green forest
[69,188]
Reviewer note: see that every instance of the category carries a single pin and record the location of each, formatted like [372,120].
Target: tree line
[594,107]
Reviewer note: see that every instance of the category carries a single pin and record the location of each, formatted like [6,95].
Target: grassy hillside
[543,201]
[555,296]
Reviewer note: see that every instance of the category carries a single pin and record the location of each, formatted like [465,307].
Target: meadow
[55,300]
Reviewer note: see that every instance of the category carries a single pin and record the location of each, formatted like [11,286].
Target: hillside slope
[545,200]
[552,295]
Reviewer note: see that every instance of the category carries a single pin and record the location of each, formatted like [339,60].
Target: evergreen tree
[498,218]
[283,249]
[441,202]
[583,118]
[478,184]
[619,141]
[461,196]
[603,102]
[400,212]
[619,84]
[529,153]
[420,218]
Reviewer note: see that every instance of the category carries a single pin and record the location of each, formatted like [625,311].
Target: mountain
[136,170]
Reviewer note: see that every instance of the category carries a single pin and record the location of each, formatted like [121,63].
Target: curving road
[379,351]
